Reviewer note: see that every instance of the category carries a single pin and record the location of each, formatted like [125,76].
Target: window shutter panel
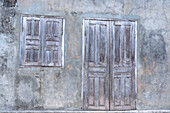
[53,42]
[31,41]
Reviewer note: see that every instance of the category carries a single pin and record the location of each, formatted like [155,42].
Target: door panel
[96,87]
[109,65]
[122,73]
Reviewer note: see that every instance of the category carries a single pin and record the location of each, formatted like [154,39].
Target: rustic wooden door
[96,65]
[122,66]
[109,65]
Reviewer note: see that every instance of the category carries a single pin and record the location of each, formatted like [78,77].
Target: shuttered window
[42,41]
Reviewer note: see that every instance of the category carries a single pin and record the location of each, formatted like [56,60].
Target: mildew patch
[10,3]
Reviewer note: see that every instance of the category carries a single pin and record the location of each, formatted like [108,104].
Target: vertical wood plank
[121,44]
[112,58]
[133,66]
[128,43]
[117,88]
[92,43]
[102,43]
[91,91]
[132,43]
[96,43]
[28,26]
[101,92]
[117,44]
[96,92]
[122,89]
[107,37]
[85,91]
[36,28]
[127,91]
[124,43]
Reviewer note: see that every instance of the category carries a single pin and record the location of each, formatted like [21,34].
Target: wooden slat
[113,33]
[29,26]
[102,91]
[96,93]
[96,43]
[122,89]
[100,64]
[122,69]
[117,92]
[134,41]
[117,44]
[36,28]
[121,44]
[123,23]
[127,91]
[91,91]
[128,43]
[98,75]
[124,44]
[86,59]
[103,42]
[120,75]
[92,43]
[96,69]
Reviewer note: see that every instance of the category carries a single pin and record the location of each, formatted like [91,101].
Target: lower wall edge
[64,111]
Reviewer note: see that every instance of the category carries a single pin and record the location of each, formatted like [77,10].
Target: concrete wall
[41,88]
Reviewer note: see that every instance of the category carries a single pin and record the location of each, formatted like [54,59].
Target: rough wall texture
[53,88]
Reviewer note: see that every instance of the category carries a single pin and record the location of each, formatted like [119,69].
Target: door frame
[83,54]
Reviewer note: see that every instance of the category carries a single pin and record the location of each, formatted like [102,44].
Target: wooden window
[109,64]
[42,41]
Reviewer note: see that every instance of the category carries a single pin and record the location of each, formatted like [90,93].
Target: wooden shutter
[42,41]
[96,68]
[122,81]
[31,41]
[53,42]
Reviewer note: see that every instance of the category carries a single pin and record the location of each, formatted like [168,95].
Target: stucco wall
[60,88]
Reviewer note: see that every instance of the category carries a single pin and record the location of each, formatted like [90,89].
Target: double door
[109,64]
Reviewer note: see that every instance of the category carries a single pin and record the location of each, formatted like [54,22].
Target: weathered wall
[53,88]
[8,52]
